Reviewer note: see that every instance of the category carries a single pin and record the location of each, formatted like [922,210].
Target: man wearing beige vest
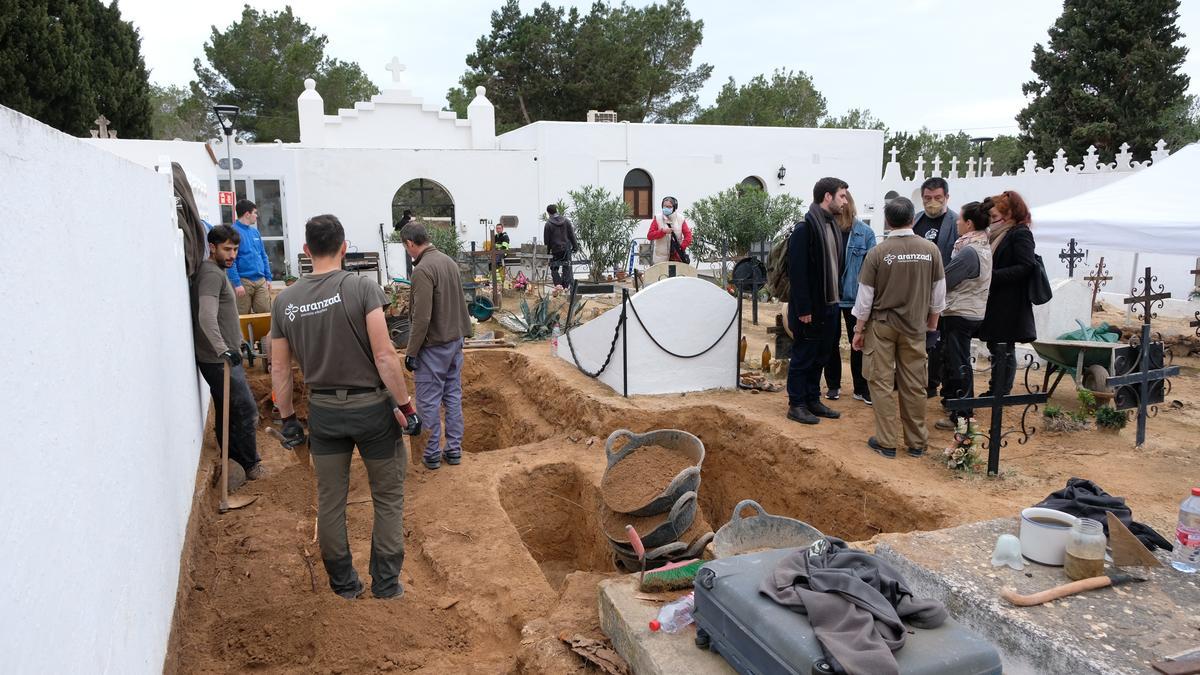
[901,291]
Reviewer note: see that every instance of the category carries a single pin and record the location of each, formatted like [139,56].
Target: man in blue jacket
[937,224]
[814,272]
[251,273]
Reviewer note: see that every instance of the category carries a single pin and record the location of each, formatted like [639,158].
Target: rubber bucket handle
[737,510]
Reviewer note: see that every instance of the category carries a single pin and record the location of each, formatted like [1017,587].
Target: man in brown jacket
[435,345]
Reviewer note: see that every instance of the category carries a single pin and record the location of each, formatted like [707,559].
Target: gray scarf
[829,242]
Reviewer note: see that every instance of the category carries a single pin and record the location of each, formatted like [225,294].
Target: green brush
[670,577]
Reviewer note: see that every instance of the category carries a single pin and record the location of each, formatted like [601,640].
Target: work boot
[916,452]
[944,424]
[257,471]
[354,593]
[800,413]
[821,410]
[453,458]
[890,453]
[432,463]
[394,596]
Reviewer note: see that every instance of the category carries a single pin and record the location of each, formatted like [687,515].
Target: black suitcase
[760,637]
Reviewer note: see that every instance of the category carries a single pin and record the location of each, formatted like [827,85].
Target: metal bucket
[763,531]
[687,480]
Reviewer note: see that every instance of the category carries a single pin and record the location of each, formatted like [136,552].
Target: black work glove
[233,356]
[932,337]
[293,432]
[410,362]
[414,424]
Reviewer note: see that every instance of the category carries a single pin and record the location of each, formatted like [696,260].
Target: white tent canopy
[1151,211]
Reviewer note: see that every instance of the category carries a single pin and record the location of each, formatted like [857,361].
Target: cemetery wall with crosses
[970,181]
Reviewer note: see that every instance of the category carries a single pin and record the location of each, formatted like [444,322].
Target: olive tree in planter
[732,220]
[603,226]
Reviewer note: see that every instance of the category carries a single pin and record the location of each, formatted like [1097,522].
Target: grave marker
[1097,279]
[1071,256]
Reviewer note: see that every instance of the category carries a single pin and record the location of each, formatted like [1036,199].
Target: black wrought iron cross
[998,402]
[1195,323]
[1140,369]
[1071,256]
[1097,280]
[1148,297]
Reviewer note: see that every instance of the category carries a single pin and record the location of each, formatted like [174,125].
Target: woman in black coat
[1009,314]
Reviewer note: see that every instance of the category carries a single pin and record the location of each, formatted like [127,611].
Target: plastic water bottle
[554,335]
[675,616]
[1186,556]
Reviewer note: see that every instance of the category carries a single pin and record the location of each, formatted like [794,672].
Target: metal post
[624,344]
[1144,385]
[753,304]
[229,163]
[996,433]
[737,362]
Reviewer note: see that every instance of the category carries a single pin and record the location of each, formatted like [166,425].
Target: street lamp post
[979,141]
[227,117]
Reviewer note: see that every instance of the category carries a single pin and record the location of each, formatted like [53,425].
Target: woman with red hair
[1009,314]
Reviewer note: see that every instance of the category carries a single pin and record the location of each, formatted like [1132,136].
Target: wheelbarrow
[256,328]
[1088,362]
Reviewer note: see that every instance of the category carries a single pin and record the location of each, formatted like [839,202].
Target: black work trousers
[811,344]
[956,349]
[243,411]
[833,368]
[560,269]
[938,367]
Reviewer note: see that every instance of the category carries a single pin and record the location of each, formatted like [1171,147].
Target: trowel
[237,501]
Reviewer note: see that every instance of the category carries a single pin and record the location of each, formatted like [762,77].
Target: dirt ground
[504,551]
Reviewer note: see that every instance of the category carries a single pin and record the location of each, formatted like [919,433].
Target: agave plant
[537,323]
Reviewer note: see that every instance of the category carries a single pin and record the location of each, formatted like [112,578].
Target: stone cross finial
[397,69]
[921,164]
[987,167]
[1091,160]
[937,165]
[1030,163]
[954,166]
[103,131]
[1060,161]
[1160,151]
[971,167]
[893,152]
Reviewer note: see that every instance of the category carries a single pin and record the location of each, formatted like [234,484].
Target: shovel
[237,501]
[301,451]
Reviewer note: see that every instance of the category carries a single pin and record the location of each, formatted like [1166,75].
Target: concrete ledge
[626,621]
[1112,631]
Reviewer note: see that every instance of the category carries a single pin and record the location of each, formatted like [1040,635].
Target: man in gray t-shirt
[217,335]
[332,320]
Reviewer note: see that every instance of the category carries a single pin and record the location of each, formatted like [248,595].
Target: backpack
[778,283]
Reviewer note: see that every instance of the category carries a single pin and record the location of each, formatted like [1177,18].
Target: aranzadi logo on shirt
[293,310]
[907,257]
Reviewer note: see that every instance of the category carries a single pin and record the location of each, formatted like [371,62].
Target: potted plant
[732,220]
[603,226]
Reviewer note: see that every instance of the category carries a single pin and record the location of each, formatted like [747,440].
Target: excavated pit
[555,510]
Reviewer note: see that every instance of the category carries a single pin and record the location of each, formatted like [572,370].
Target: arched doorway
[639,191]
[754,182]
[427,199]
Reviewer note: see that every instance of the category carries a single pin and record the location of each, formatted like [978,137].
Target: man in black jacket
[560,240]
[815,260]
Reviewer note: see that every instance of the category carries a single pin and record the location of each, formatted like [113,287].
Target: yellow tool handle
[1089,584]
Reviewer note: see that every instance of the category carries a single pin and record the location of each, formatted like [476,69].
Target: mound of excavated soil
[640,476]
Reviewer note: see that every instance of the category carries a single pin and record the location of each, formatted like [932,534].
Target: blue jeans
[438,384]
[243,411]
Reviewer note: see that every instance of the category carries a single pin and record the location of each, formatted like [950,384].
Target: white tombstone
[684,314]
[1070,303]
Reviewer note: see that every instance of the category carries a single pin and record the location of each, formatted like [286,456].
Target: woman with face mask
[669,225]
[1009,314]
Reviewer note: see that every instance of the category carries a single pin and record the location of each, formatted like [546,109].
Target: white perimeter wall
[101,407]
[685,315]
[201,171]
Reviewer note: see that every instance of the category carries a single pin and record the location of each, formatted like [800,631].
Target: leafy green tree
[732,220]
[603,226]
[788,99]
[1109,75]
[176,113]
[259,63]
[67,62]
[855,118]
[556,64]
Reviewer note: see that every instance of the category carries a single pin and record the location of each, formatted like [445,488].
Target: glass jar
[1085,550]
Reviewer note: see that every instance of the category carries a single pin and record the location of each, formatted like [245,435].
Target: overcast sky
[944,64]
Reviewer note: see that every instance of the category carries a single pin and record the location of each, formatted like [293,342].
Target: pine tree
[67,62]
[1110,75]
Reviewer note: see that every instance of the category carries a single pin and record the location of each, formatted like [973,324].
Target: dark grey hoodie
[559,233]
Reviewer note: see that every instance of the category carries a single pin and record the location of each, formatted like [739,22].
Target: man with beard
[815,259]
[218,339]
[936,224]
